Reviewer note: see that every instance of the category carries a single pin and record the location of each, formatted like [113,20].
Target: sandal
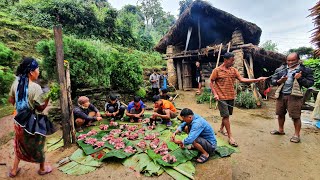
[13,175]
[223,132]
[295,139]
[202,159]
[233,144]
[131,120]
[190,147]
[48,169]
[276,132]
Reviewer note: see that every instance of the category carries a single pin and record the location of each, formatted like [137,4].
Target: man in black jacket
[85,113]
[290,78]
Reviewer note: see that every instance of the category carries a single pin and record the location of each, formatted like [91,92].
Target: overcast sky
[285,22]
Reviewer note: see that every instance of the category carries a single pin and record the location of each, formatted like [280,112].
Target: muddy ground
[262,156]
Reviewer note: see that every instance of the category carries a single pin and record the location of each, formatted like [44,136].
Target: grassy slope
[20,36]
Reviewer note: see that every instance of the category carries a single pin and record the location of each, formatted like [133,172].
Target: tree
[270,46]
[151,10]
[303,51]
[184,4]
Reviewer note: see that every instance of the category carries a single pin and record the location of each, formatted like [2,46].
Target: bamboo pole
[253,86]
[71,119]
[217,64]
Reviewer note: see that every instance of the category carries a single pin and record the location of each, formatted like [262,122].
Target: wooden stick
[215,107]
[254,89]
[124,104]
[175,97]
[71,119]
[229,44]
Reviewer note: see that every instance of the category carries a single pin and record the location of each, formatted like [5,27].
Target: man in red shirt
[222,82]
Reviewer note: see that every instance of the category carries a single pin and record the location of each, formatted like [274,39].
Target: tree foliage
[270,46]
[314,64]
[308,52]
[7,59]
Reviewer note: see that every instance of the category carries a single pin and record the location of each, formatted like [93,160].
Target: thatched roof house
[217,27]
[202,33]
[315,12]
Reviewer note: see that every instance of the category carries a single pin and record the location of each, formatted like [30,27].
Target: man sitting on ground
[164,95]
[135,110]
[114,109]
[164,109]
[85,113]
[200,134]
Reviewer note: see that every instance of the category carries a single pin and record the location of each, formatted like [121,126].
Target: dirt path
[262,156]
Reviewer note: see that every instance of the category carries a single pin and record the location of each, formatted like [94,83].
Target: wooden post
[229,45]
[251,61]
[179,74]
[199,33]
[253,86]
[188,38]
[57,30]
[71,119]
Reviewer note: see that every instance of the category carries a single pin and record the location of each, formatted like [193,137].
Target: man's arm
[93,108]
[212,78]
[166,116]
[142,111]
[80,114]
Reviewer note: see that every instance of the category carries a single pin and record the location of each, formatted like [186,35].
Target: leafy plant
[54,92]
[141,92]
[205,96]
[314,64]
[245,99]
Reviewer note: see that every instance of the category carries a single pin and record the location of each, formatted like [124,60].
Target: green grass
[6,110]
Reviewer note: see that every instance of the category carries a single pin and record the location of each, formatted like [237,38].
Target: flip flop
[13,175]
[48,169]
[295,139]
[202,159]
[223,133]
[233,144]
[276,132]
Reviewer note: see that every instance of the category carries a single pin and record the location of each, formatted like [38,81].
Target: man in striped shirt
[222,82]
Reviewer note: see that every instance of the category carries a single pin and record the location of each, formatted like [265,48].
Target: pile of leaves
[143,149]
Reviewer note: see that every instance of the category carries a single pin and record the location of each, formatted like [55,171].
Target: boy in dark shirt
[114,109]
[164,95]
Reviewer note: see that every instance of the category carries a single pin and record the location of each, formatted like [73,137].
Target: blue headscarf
[28,65]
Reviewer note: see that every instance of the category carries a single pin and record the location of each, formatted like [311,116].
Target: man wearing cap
[113,108]
[222,82]
[85,113]
[200,134]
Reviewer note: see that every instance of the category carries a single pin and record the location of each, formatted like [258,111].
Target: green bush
[8,57]
[126,71]
[6,78]
[245,99]
[141,92]
[94,63]
[89,64]
[314,64]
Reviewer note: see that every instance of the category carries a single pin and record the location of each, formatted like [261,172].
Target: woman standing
[26,94]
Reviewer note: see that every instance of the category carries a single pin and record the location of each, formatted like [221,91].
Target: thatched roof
[216,27]
[315,12]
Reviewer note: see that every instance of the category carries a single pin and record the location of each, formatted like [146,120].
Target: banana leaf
[175,174]
[53,143]
[224,151]
[221,142]
[89,149]
[142,163]
[182,156]
[80,164]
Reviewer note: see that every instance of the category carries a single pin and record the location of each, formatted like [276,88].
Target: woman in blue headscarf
[26,94]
